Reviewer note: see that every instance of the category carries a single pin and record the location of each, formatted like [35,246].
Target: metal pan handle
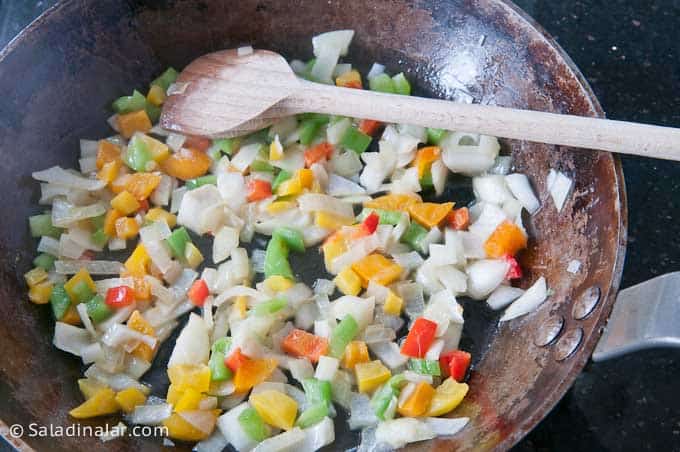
[644,316]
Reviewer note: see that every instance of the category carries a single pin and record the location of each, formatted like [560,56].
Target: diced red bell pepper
[300,343]
[455,363]
[319,152]
[419,339]
[121,296]
[459,219]
[370,223]
[369,126]
[198,143]
[198,292]
[515,271]
[235,359]
[258,190]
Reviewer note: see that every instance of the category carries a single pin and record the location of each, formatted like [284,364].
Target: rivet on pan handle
[644,316]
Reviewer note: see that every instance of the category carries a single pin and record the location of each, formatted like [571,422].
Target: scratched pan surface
[59,77]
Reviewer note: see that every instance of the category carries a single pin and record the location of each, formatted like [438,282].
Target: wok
[57,80]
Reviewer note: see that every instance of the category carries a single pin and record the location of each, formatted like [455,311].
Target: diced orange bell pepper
[101,403]
[179,428]
[197,143]
[356,352]
[507,239]
[138,262]
[424,159]
[252,373]
[141,185]
[319,152]
[418,402]
[71,317]
[459,219]
[138,323]
[110,222]
[258,190]
[235,359]
[137,121]
[303,344]
[187,164]
[430,214]
[400,202]
[369,126]
[350,79]
[107,152]
[305,176]
[156,95]
[126,228]
[377,268]
[125,203]
[109,171]
[275,408]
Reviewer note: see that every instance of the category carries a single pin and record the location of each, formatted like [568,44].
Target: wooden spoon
[224,94]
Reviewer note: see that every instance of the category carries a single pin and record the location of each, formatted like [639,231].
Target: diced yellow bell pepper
[138,262]
[142,289]
[275,150]
[377,268]
[192,255]
[178,428]
[157,214]
[447,396]
[125,203]
[275,408]
[71,317]
[279,206]
[370,375]
[289,187]
[35,276]
[129,123]
[90,386]
[109,172]
[101,403]
[184,376]
[399,202]
[129,398]
[159,150]
[332,248]
[252,373]
[393,304]
[430,214]
[156,95]
[40,293]
[241,305]
[305,176]
[107,152]
[138,323]
[350,79]
[110,222]
[174,394]
[126,228]
[331,221]
[348,282]
[278,283]
[189,400]
[356,352]
[424,159]
[81,276]
[418,402]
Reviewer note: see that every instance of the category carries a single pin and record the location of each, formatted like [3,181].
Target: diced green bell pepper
[435,136]
[218,370]
[276,259]
[253,425]
[99,237]
[425,366]
[41,225]
[44,261]
[227,145]
[317,390]
[153,112]
[97,222]
[210,179]
[346,330]
[60,301]
[97,309]
[355,140]
[426,181]
[413,236]
[382,398]
[308,131]
[382,83]
[261,166]
[386,216]
[178,242]
[166,79]
[269,307]
[280,178]
[401,85]
[82,292]
[137,155]
[291,237]
[128,104]
[312,415]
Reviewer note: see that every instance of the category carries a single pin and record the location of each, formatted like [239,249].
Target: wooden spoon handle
[567,130]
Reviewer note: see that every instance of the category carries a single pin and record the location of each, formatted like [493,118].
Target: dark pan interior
[57,81]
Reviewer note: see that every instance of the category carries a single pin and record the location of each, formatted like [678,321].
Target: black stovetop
[630,53]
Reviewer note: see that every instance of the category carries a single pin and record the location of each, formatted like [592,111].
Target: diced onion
[314,202]
[530,300]
[244,50]
[559,186]
[60,176]
[503,296]
[92,267]
[521,188]
[484,276]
